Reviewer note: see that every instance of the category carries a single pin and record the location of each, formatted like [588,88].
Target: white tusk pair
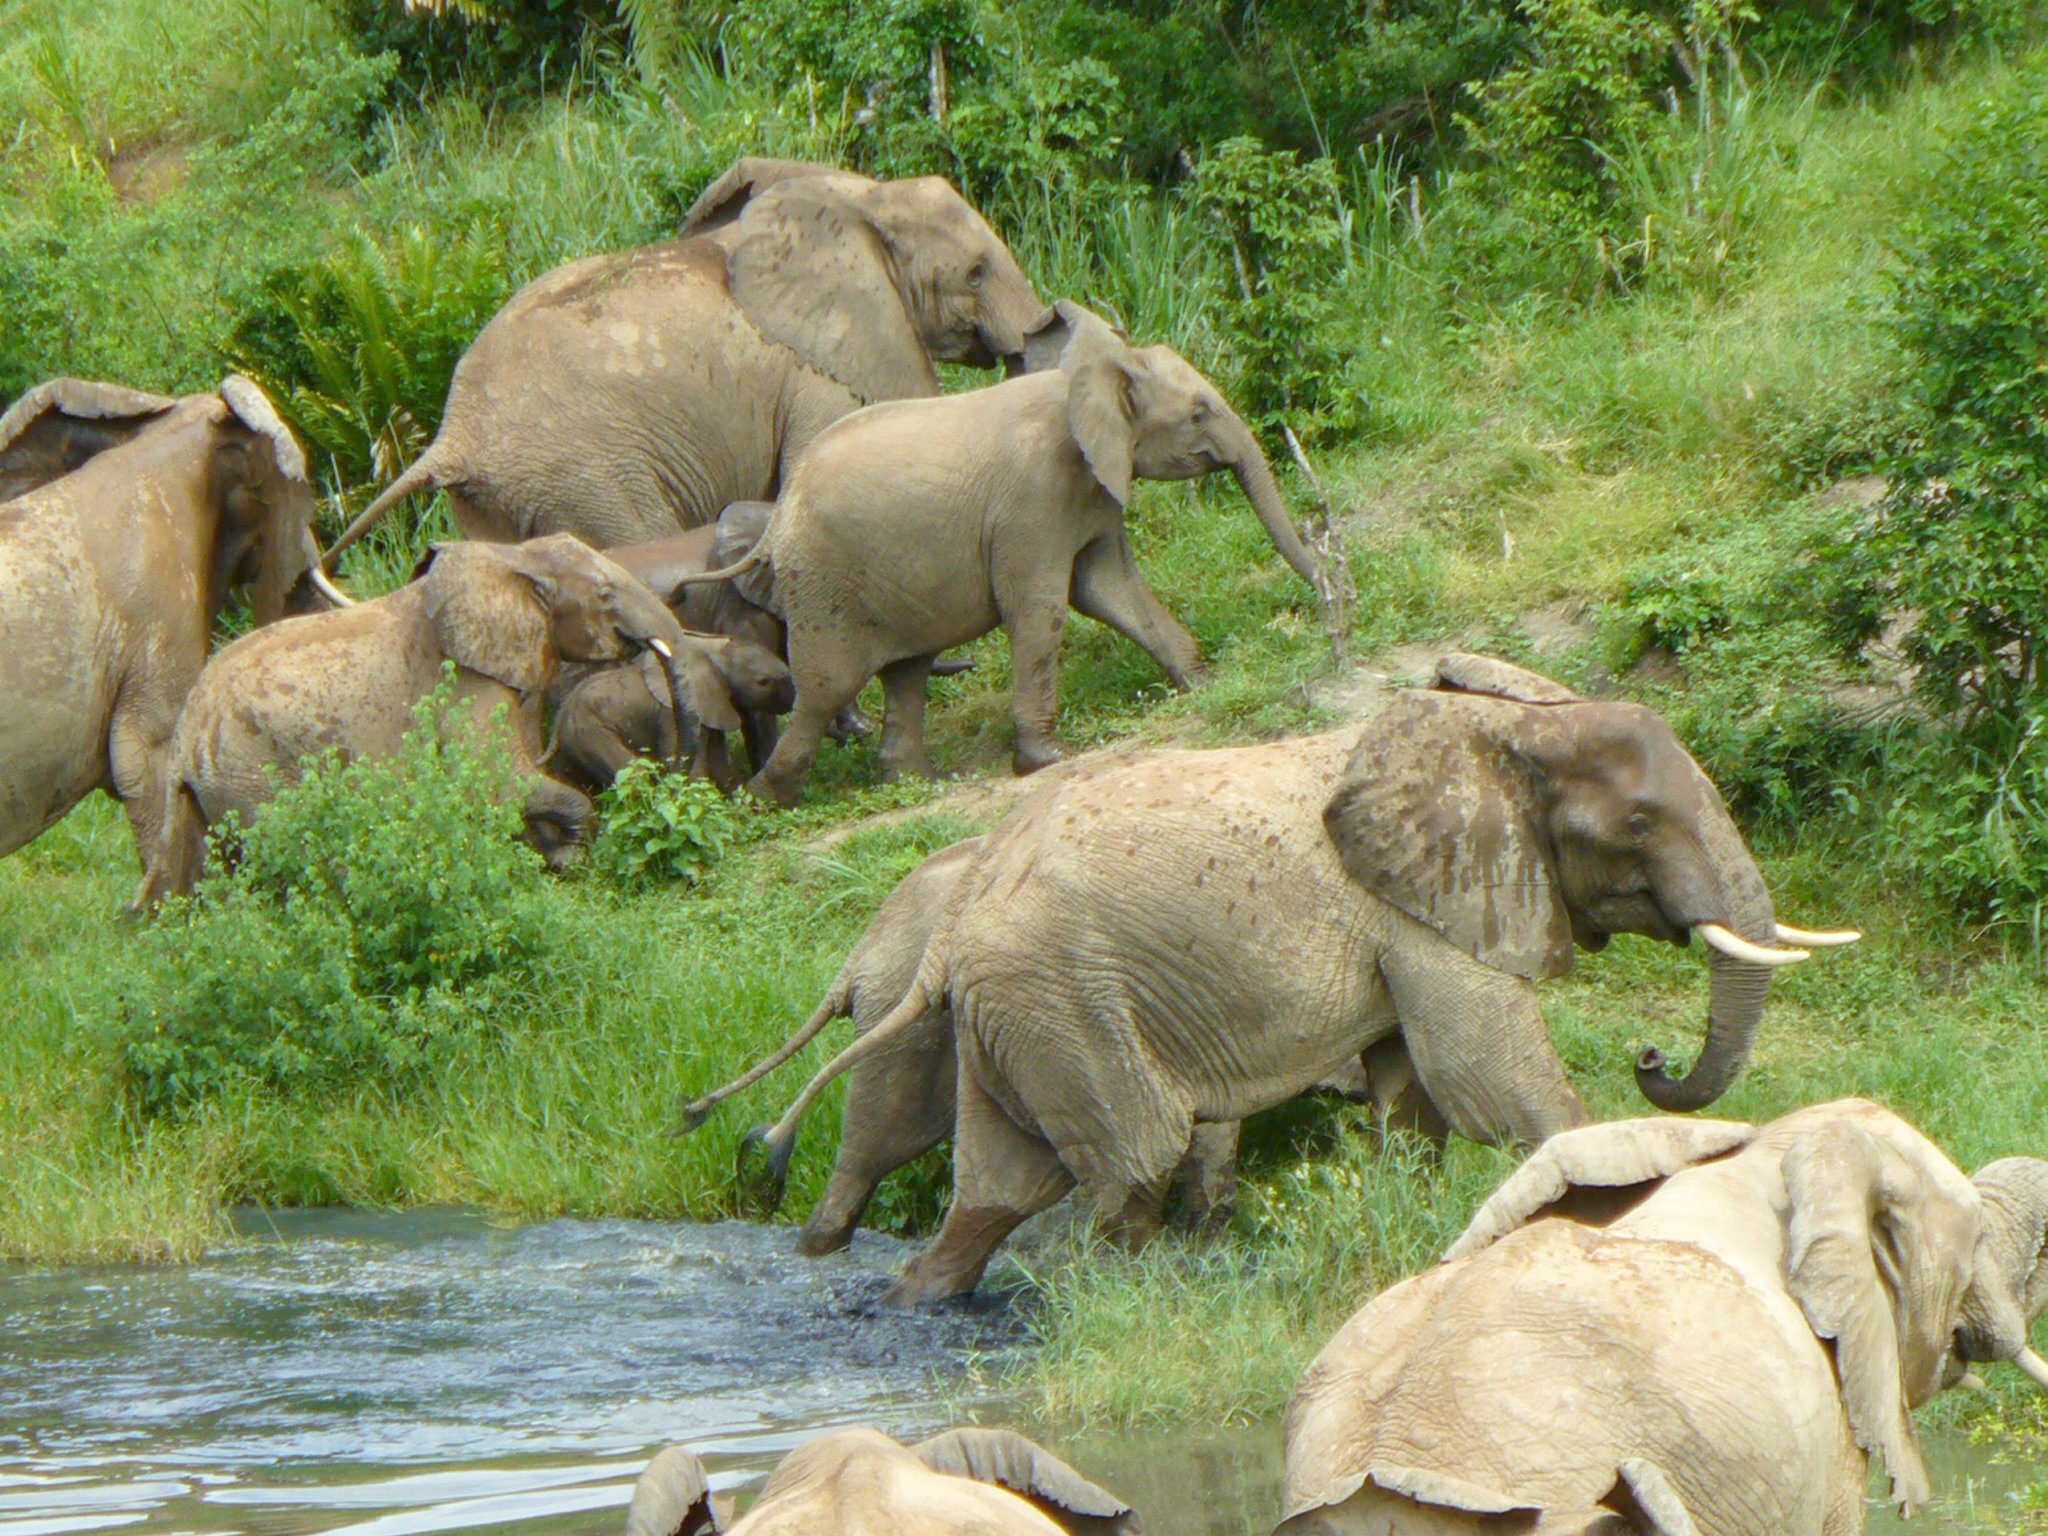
[2035,1367]
[1736,947]
[1822,940]
[328,589]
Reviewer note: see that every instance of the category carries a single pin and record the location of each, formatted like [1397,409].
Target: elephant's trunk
[2010,1287]
[666,655]
[1255,478]
[1742,955]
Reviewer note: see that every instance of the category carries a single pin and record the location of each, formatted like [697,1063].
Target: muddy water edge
[388,1374]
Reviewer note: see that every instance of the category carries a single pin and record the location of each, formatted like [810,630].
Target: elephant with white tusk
[629,396]
[1192,937]
[966,1482]
[506,616]
[129,520]
[916,526]
[1675,1328]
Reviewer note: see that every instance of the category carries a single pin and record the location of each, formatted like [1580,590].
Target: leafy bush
[1964,535]
[1973,818]
[378,914]
[661,825]
[357,348]
[1283,311]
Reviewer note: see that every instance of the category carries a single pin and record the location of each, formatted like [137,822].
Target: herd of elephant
[1660,1325]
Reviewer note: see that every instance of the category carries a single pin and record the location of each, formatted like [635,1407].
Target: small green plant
[378,913]
[662,825]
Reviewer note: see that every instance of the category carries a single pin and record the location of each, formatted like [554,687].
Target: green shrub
[663,825]
[1972,818]
[1964,535]
[378,914]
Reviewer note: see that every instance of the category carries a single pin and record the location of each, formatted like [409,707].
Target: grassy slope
[1590,440]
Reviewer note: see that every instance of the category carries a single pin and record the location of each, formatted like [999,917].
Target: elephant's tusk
[328,589]
[1826,939]
[660,648]
[2035,1367]
[1736,947]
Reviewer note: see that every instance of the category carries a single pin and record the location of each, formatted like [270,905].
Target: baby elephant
[607,716]
[507,615]
[966,1482]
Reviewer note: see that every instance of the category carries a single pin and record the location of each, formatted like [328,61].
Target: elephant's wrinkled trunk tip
[1650,1059]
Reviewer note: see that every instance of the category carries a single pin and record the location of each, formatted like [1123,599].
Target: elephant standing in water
[628,396]
[987,1482]
[1676,1328]
[1196,936]
[916,526]
[506,616]
[133,518]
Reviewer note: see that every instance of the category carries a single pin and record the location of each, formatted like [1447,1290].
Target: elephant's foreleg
[179,853]
[1477,1040]
[1034,615]
[1109,587]
[1400,1102]
[1208,1175]
[760,729]
[138,751]
[902,749]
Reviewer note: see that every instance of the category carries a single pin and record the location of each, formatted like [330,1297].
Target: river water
[393,1374]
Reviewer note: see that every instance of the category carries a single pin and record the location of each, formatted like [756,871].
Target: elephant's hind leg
[1001,1175]
[1208,1176]
[903,719]
[899,1105]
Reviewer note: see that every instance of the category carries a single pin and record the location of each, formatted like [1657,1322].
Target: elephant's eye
[1639,825]
[977,273]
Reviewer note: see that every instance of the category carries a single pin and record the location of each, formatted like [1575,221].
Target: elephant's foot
[816,1241]
[1191,678]
[773,791]
[1031,757]
[908,765]
[911,1289]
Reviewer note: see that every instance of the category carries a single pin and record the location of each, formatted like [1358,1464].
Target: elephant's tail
[747,562]
[928,987]
[426,474]
[837,1003]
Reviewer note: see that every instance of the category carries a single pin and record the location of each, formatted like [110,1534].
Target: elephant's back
[1537,1366]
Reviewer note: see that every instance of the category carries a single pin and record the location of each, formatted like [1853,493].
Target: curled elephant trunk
[1742,955]
[1255,479]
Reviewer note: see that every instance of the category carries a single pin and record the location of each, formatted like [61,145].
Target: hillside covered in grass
[1693,352]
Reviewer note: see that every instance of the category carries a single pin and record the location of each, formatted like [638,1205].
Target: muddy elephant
[505,616]
[629,396]
[916,526]
[899,1102]
[966,1482]
[1675,1328]
[602,718]
[1195,936]
[133,518]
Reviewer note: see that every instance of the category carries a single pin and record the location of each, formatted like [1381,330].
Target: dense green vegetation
[1602,321]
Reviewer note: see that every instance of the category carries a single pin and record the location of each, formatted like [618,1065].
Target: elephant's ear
[1598,1171]
[2010,1286]
[1645,1500]
[1103,376]
[738,530]
[1437,813]
[253,410]
[745,179]
[1469,672]
[705,688]
[1843,1191]
[61,423]
[813,273]
[1008,1460]
[1484,1508]
[490,614]
[1045,344]
[672,1498]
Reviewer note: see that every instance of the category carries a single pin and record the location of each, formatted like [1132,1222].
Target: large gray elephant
[1676,1328]
[919,525]
[1193,937]
[987,1482]
[133,518]
[506,616]
[628,396]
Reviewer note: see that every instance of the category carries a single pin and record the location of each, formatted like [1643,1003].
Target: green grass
[1520,455]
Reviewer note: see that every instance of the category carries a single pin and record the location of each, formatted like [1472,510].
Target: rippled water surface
[391,1374]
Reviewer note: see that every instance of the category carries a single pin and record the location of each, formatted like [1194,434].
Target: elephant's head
[1891,1254]
[899,1484]
[226,454]
[867,281]
[1518,820]
[515,612]
[755,676]
[2009,1288]
[1146,413]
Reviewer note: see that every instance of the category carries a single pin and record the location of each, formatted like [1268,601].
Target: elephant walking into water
[1676,1328]
[916,526]
[506,616]
[626,397]
[132,519]
[1192,937]
[857,1482]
